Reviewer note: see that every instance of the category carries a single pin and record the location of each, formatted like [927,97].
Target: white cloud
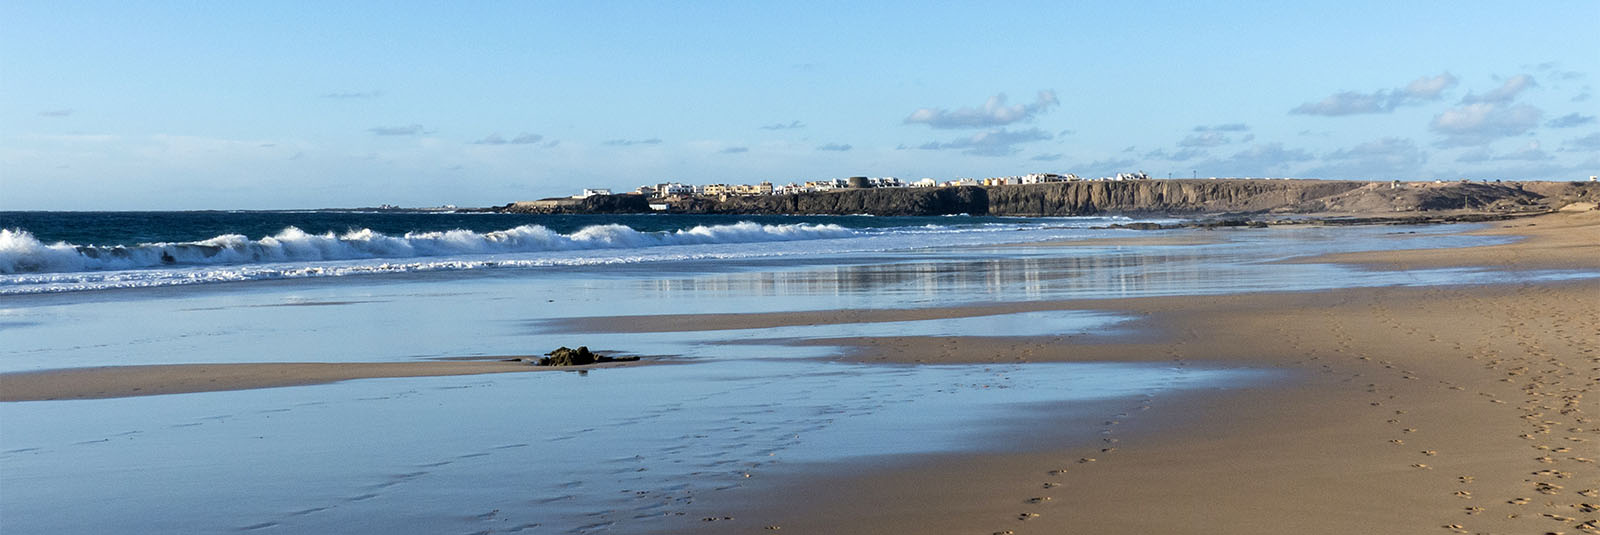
[1426,88]
[997,142]
[1106,167]
[1179,156]
[791,125]
[408,130]
[1589,143]
[1482,122]
[631,142]
[521,139]
[1270,159]
[1507,91]
[994,113]
[1570,120]
[1207,139]
[1430,87]
[1229,127]
[1387,157]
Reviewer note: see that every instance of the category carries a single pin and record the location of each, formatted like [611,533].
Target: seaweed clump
[565,356]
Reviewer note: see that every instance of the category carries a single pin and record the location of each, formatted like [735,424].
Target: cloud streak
[521,139]
[993,113]
[791,125]
[632,142]
[1507,91]
[1386,157]
[1482,122]
[55,113]
[837,147]
[353,95]
[1260,160]
[1207,139]
[1424,89]
[997,142]
[408,130]
[1570,120]
[1229,127]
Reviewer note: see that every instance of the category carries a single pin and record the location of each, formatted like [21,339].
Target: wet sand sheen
[125,381]
[1432,409]
[1451,409]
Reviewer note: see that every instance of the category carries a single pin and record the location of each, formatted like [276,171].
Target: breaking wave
[20,252]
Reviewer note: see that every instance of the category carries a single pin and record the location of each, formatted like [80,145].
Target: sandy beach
[1414,410]
[1404,409]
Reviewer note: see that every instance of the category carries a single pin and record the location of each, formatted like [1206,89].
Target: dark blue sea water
[135,228]
[71,251]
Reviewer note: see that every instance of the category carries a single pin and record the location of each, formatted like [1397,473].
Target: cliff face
[595,204]
[1159,196]
[1125,197]
[887,202]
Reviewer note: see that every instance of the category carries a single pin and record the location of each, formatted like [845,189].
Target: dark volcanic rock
[971,200]
[594,204]
[565,356]
[1233,196]
[1159,196]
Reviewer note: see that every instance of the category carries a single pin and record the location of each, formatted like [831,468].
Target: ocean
[635,450]
[72,251]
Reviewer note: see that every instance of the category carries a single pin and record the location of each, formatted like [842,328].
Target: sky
[166,105]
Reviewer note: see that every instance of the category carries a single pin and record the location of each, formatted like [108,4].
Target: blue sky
[234,105]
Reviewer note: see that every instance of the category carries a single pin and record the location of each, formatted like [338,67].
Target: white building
[885,182]
[592,192]
[668,189]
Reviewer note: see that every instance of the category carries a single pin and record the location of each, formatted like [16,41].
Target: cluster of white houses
[675,189]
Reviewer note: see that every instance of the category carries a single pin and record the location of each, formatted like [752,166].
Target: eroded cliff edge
[1118,197]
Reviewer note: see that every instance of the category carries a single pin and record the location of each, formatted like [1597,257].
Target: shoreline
[104,382]
[1447,409]
[1423,409]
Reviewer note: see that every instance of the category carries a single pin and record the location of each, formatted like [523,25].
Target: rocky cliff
[1160,196]
[595,204]
[1112,197]
[884,201]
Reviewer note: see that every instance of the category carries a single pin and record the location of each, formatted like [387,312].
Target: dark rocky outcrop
[565,356]
[594,204]
[971,200]
[1180,197]
[1159,196]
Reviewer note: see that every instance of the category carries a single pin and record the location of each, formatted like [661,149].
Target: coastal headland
[1084,198]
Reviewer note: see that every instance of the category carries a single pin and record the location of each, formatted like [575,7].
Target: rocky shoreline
[1240,197]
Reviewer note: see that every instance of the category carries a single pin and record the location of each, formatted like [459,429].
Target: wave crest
[21,252]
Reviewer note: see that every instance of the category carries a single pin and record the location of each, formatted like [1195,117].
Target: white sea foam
[20,252]
[30,266]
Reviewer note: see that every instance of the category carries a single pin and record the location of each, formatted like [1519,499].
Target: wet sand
[124,381]
[1456,409]
[1415,410]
